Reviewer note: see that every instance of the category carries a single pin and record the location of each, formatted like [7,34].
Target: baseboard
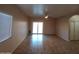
[18,45]
[62,38]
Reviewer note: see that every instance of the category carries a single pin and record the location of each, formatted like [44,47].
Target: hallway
[38,43]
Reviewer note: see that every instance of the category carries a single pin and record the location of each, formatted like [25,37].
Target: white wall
[62,28]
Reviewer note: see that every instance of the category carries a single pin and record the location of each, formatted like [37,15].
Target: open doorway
[37,27]
[74,27]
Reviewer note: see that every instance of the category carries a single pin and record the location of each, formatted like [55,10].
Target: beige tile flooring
[47,44]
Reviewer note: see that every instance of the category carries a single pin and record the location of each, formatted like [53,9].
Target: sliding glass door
[37,27]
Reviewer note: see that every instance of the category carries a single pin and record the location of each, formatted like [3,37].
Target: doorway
[37,27]
[74,27]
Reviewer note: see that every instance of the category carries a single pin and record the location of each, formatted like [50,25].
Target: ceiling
[53,10]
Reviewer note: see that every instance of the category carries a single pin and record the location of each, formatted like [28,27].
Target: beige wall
[19,29]
[62,27]
[48,25]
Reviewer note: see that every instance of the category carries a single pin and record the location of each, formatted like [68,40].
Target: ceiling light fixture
[46,16]
[46,13]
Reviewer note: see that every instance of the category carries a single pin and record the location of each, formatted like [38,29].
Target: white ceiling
[53,10]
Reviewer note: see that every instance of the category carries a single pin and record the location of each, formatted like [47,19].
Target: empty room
[39,28]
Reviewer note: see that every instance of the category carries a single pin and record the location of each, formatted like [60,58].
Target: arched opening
[74,27]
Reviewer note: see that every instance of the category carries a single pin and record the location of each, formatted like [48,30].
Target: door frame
[37,28]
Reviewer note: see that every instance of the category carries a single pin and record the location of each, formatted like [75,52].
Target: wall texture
[19,29]
[62,27]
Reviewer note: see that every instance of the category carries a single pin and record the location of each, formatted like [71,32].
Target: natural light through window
[37,27]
